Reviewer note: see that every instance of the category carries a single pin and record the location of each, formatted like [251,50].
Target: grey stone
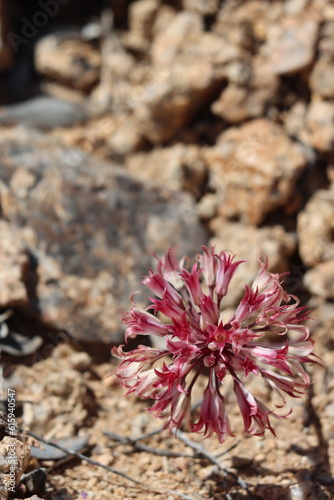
[95,229]
[43,112]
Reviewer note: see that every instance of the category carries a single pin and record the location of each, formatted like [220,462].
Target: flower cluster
[187,312]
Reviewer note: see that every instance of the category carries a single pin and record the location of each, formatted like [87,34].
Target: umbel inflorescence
[186,312]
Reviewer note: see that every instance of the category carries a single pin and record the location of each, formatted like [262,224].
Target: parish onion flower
[186,312]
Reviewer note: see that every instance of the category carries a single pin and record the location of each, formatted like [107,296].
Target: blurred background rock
[131,126]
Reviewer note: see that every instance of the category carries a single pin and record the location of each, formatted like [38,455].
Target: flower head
[186,312]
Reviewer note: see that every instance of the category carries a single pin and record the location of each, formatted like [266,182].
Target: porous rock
[250,91]
[178,167]
[251,244]
[315,225]
[254,169]
[189,66]
[320,280]
[68,59]
[322,76]
[14,265]
[291,45]
[96,231]
[203,7]
[319,130]
[12,447]
[142,15]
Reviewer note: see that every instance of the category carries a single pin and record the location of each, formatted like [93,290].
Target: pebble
[43,112]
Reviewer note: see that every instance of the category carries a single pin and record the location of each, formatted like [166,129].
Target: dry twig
[141,447]
[83,457]
[200,450]
[110,469]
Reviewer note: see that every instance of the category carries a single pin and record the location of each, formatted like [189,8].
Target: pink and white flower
[198,341]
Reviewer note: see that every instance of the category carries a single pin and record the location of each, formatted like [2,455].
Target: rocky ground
[127,128]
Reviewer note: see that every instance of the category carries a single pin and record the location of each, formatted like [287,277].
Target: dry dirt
[68,394]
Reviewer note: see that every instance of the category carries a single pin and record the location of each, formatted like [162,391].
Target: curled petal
[209,312]
[213,416]
[208,261]
[225,272]
[254,413]
[192,283]
[287,384]
[180,412]
[246,402]
[161,287]
[168,307]
[143,323]
[250,304]
[169,268]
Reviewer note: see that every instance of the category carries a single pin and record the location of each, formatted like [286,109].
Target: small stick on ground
[83,457]
[200,450]
[110,469]
[141,447]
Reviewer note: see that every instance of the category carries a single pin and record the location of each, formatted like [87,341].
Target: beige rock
[330,175]
[14,264]
[21,182]
[325,45]
[124,139]
[71,61]
[320,280]
[70,404]
[253,169]
[170,102]
[203,7]
[165,16]
[207,206]
[295,7]
[189,68]
[315,225]
[237,22]
[290,47]
[319,131]
[7,200]
[175,168]
[15,454]
[184,29]
[322,77]
[185,38]
[238,34]
[237,104]
[248,95]
[251,244]
[214,48]
[113,90]
[142,15]
[80,361]
[294,118]
[239,72]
